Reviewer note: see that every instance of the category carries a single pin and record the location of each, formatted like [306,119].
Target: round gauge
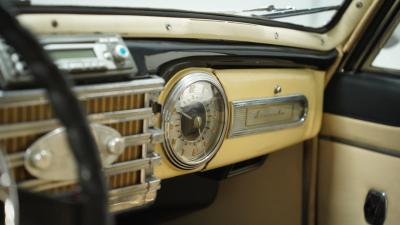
[194,120]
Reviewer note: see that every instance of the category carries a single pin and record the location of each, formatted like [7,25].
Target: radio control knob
[120,53]
[41,160]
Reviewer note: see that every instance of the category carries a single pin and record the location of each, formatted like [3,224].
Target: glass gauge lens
[194,120]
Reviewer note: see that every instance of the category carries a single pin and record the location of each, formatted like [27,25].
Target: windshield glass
[309,13]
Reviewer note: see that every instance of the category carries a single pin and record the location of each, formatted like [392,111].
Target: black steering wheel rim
[67,109]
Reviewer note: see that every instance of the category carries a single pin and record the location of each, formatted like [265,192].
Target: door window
[388,56]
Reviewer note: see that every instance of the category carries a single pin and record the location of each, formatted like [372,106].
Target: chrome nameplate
[261,115]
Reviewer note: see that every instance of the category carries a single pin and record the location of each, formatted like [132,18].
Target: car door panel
[346,174]
[359,147]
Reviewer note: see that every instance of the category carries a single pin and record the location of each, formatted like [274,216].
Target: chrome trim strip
[128,166]
[137,139]
[15,159]
[13,98]
[133,196]
[41,185]
[133,165]
[248,130]
[153,137]
[128,202]
[21,129]
[151,184]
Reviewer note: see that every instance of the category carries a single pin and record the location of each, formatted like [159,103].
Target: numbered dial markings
[194,121]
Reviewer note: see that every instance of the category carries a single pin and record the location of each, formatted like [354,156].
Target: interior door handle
[375,207]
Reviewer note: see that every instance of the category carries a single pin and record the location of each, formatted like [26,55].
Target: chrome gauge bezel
[171,99]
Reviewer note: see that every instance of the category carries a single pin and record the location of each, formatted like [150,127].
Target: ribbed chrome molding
[134,196]
[139,194]
[28,128]
[152,137]
[12,98]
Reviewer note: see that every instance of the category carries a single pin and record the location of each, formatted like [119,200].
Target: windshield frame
[25,7]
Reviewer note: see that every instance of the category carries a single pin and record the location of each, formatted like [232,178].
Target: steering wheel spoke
[8,193]
[66,107]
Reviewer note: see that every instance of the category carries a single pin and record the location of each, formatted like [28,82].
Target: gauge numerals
[194,120]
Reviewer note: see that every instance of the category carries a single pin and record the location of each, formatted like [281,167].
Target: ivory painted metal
[171,27]
[245,84]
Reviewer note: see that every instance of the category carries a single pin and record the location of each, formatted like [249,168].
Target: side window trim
[368,64]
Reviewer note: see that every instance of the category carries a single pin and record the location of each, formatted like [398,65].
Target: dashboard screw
[359,5]
[54,23]
[276,35]
[168,27]
[277,89]
[322,41]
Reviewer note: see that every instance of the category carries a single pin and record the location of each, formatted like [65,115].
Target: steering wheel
[93,208]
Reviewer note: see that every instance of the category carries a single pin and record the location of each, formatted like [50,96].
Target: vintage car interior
[199,112]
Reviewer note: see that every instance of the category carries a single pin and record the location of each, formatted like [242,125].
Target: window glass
[388,56]
[310,13]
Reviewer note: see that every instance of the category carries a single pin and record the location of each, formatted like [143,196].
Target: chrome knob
[41,159]
[116,146]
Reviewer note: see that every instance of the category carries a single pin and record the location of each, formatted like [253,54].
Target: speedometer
[194,120]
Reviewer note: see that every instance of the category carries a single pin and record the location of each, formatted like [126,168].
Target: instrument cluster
[194,120]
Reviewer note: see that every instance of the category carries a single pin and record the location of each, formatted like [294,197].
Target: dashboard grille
[26,116]
[10,115]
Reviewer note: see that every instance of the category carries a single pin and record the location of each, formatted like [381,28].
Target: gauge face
[194,120]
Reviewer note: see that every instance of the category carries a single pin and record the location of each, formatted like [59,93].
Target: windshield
[309,13]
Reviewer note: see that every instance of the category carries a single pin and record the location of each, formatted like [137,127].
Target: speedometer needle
[185,114]
[197,123]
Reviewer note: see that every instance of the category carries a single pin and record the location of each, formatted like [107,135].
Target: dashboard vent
[25,116]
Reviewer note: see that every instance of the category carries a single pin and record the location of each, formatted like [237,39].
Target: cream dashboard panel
[248,84]
[254,84]
[156,26]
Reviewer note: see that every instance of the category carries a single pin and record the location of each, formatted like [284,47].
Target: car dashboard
[156,113]
[158,109]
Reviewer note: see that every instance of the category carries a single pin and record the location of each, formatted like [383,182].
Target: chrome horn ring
[8,193]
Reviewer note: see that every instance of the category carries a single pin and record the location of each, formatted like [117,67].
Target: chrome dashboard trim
[143,189]
[27,128]
[128,166]
[17,159]
[137,195]
[250,128]
[13,98]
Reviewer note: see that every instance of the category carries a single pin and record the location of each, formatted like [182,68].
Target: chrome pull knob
[41,159]
[116,146]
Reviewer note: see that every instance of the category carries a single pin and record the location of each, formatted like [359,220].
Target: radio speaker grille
[38,119]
